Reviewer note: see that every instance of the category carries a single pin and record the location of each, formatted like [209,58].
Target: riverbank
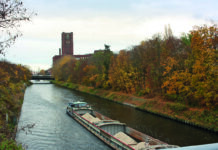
[11,100]
[199,117]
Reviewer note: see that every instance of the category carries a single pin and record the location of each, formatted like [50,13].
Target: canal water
[44,124]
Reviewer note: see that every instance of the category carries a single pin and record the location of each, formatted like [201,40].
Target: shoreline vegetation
[13,81]
[175,77]
[194,116]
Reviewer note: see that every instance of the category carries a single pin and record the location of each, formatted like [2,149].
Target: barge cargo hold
[114,133]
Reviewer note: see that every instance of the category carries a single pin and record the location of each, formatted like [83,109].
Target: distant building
[67,43]
[67,48]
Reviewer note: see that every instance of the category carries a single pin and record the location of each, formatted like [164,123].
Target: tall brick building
[67,43]
[67,47]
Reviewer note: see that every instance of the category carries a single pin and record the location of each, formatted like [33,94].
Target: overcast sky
[119,23]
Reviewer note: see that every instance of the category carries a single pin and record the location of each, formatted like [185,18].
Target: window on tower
[67,36]
[67,42]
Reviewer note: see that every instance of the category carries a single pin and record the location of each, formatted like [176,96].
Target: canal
[44,108]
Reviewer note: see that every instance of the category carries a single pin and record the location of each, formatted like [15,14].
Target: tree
[204,70]
[101,60]
[12,73]
[196,83]
[90,75]
[12,13]
[186,39]
[146,59]
[122,75]
[63,68]
[42,72]
[168,32]
[78,73]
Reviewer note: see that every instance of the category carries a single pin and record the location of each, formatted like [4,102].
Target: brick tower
[67,43]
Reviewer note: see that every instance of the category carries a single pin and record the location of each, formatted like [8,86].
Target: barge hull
[101,134]
[134,133]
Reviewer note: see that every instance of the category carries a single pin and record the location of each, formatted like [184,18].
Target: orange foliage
[183,69]
[196,84]
[13,73]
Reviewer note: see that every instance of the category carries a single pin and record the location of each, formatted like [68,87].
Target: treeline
[12,79]
[181,69]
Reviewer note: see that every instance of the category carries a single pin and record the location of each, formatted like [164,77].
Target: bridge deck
[42,77]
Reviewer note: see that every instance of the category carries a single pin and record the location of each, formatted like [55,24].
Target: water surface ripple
[44,105]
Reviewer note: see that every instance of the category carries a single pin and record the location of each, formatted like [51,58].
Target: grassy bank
[11,100]
[198,117]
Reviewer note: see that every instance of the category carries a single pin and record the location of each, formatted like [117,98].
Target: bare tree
[12,13]
[168,32]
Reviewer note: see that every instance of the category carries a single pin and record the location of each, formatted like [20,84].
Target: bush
[9,144]
[144,92]
[73,86]
[177,107]
[171,97]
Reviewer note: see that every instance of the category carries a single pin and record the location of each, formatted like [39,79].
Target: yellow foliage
[197,84]
[121,73]
[63,68]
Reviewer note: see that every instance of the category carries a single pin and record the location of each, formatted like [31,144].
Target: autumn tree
[42,72]
[197,82]
[101,60]
[186,39]
[62,69]
[12,13]
[204,70]
[90,75]
[12,79]
[182,69]
[4,77]
[146,58]
[78,73]
[122,74]
[13,73]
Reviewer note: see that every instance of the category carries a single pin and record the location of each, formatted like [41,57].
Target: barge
[114,133]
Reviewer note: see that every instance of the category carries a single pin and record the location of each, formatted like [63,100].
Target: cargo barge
[114,133]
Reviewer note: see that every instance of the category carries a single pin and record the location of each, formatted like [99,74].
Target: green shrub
[9,145]
[171,97]
[93,91]
[144,91]
[111,97]
[72,86]
[66,84]
[177,107]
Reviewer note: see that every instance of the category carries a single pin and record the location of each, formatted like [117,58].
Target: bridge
[42,77]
